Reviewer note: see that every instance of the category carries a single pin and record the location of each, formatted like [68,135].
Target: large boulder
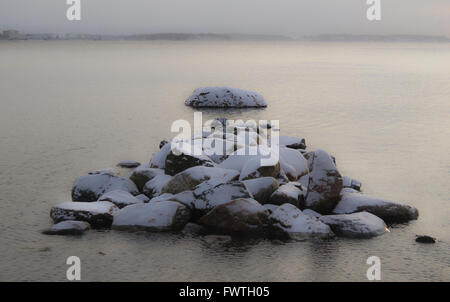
[68,227]
[225,97]
[325,182]
[210,197]
[261,188]
[154,187]
[292,163]
[90,187]
[357,225]
[389,211]
[291,220]
[188,179]
[254,168]
[157,217]
[178,163]
[239,215]
[98,214]
[142,174]
[120,198]
[291,192]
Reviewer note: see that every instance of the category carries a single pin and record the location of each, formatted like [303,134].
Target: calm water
[70,107]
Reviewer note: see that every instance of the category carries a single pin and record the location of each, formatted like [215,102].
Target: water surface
[68,107]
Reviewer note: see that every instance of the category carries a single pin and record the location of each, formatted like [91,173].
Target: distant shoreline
[16,35]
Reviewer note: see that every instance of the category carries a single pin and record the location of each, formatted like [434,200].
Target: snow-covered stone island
[225,97]
[300,195]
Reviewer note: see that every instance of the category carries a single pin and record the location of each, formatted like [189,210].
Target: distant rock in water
[425,239]
[225,97]
[128,164]
[68,227]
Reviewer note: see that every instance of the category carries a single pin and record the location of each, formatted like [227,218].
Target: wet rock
[142,174]
[68,227]
[292,142]
[188,179]
[225,97]
[90,187]
[425,239]
[239,215]
[193,229]
[156,217]
[216,241]
[120,198]
[261,188]
[389,211]
[289,193]
[325,182]
[356,225]
[128,164]
[98,214]
[291,220]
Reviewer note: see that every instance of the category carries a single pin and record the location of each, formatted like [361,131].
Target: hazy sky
[288,17]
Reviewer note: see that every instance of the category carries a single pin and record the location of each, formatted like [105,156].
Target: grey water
[69,107]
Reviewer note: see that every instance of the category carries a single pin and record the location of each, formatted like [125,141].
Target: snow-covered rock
[143,198]
[348,182]
[120,198]
[98,214]
[178,163]
[254,168]
[236,161]
[389,211]
[311,213]
[292,142]
[68,227]
[289,193]
[128,164]
[224,97]
[90,187]
[190,178]
[154,187]
[261,188]
[142,174]
[270,207]
[290,219]
[219,194]
[292,163]
[239,215]
[325,182]
[186,197]
[356,225]
[159,158]
[158,216]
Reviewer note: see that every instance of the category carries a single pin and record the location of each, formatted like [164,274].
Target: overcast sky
[287,17]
